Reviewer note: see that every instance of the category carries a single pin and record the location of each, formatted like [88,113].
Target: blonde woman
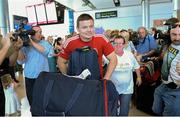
[128,44]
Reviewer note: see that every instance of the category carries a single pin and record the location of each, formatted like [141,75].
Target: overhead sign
[106,14]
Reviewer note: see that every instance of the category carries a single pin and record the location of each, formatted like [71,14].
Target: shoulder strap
[105,98]
[47,95]
[149,42]
[74,97]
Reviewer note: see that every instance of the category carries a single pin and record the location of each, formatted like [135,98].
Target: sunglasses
[174,26]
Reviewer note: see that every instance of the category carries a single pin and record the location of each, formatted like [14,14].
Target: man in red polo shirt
[87,37]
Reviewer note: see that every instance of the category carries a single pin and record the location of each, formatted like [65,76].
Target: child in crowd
[12,104]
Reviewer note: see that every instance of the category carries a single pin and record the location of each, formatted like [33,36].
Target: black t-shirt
[4,67]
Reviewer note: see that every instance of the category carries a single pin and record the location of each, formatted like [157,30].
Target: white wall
[160,11]
[130,17]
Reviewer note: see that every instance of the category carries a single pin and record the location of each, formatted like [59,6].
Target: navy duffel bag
[56,94]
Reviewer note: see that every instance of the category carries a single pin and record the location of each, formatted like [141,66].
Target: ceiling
[79,5]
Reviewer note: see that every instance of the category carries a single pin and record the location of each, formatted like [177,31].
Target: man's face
[38,34]
[86,29]
[142,33]
[50,39]
[175,35]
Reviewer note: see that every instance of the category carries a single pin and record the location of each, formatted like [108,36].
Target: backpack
[56,94]
[84,58]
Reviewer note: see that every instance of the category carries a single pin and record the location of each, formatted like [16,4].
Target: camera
[23,33]
[145,59]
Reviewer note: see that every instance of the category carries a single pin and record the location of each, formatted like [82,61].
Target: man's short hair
[37,26]
[83,17]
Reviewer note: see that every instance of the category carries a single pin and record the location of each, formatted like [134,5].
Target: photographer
[35,59]
[9,52]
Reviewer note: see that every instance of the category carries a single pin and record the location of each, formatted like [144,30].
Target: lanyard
[170,59]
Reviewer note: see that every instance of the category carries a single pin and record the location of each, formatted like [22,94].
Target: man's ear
[77,29]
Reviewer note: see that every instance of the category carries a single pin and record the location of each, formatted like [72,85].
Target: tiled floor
[20,90]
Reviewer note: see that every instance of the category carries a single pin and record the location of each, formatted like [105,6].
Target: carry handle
[85,48]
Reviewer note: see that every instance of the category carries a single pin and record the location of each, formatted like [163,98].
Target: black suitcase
[145,96]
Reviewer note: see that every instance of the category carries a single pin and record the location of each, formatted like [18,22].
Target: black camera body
[145,59]
[171,85]
[23,34]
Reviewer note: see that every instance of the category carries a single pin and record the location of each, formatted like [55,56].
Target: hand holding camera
[23,33]
[18,44]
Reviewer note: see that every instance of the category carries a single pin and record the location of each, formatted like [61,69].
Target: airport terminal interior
[44,35]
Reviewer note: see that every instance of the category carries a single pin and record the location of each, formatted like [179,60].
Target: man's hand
[139,57]
[18,44]
[138,81]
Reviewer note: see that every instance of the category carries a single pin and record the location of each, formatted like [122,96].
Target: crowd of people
[124,51]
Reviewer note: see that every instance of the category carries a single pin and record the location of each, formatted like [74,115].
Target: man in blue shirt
[35,59]
[147,43]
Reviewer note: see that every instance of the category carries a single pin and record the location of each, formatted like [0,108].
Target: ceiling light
[89,4]
[116,3]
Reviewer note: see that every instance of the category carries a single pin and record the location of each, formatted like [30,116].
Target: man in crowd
[35,59]
[167,95]
[147,44]
[87,37]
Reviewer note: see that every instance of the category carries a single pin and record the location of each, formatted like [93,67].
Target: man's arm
[111,66]
[5,46]
[39,47]
[150,53]
[178,68]
[16,46]
[62,65]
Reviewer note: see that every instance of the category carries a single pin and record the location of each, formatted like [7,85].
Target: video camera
[23,32]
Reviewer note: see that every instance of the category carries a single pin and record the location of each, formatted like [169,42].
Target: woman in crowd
[122,76]
[128,44]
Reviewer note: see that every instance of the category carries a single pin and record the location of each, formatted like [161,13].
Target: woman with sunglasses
[122,76]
